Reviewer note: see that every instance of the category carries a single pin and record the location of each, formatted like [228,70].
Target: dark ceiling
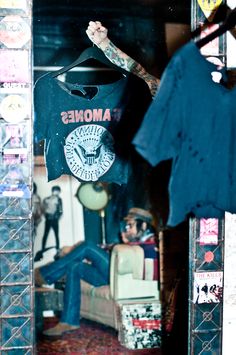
[136,26]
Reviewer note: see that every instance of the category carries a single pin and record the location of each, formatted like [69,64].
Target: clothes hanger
[228,24]
[89,53]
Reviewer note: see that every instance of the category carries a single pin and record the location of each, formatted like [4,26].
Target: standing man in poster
[52,208]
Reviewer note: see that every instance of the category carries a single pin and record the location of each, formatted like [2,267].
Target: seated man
[90,263]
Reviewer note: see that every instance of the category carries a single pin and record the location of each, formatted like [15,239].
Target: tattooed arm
[97,33]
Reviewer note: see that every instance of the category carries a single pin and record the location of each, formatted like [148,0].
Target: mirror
[147,30]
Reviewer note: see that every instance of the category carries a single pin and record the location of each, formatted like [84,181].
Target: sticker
[13,184]
[89,152]
[15,7]
[13,143]
[13,108]
[208,287]
[15,88]
[209,256]
[212,47]
[24,171]
[16,66]
[209,231]
[14,32]
[14,4]
[141,325]
[15,104]
[209,7]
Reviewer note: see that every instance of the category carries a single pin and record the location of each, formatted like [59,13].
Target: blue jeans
[72,266]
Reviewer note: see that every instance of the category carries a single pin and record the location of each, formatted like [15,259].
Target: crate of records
[140,324]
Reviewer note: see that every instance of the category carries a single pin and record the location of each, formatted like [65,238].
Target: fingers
[95,23]
[89,33]
[96,32]
[95,26]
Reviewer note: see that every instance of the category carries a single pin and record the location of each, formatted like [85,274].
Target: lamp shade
[93,196]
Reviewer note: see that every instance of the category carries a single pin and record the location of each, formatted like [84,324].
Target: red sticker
[209,256]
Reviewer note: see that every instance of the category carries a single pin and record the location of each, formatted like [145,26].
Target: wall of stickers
[206,246]
[229,300]
[206,257]
[16,281]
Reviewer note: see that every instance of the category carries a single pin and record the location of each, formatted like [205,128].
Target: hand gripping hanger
[89,53]
[228,24]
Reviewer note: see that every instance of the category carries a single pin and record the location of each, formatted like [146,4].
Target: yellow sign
[209,7]
[13,4]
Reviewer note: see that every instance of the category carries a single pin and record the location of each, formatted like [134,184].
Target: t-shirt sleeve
[160,133]
[41,105]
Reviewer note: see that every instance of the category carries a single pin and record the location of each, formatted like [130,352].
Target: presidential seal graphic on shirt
[89,152]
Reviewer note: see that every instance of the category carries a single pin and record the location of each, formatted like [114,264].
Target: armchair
[127,272]
[128,269]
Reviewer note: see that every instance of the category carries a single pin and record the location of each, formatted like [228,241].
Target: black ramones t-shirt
[89,137]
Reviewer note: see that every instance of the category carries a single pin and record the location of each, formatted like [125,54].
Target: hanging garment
[88,129]
[192,120]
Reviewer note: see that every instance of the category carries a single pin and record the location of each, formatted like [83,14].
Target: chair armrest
[122,258]
[126,273]
[121,263]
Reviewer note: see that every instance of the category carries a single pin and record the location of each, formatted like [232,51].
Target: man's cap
[139,213]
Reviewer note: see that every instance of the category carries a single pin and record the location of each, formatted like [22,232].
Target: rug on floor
[92,338]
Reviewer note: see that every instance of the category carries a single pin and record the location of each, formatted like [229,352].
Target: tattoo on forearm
[152,82]
[112,53]
[117,57]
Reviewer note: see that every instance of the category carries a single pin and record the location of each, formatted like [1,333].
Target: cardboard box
[140,324]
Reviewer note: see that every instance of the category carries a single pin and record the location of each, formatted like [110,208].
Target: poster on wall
[208,287]
[49,210]
[209,231]
[57,214]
